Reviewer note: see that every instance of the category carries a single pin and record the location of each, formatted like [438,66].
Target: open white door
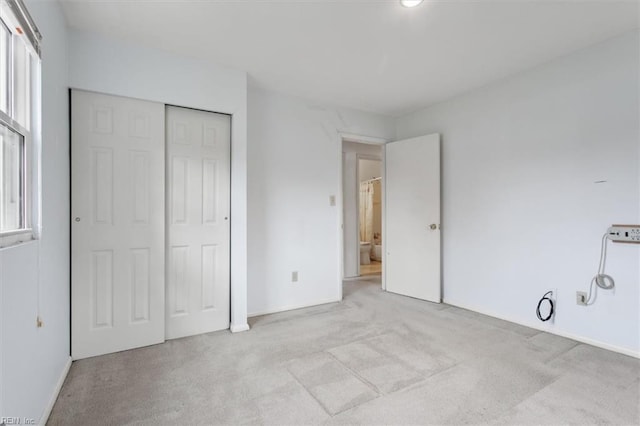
[412,265]
[117,231]
[198,228]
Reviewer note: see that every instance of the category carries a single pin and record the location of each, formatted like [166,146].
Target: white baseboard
[237,328]
[56,392]
[292,307]
[551,330]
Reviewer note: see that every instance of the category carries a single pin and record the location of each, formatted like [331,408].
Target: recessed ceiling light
[410,3]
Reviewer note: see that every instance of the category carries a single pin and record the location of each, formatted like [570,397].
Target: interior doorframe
[367,140]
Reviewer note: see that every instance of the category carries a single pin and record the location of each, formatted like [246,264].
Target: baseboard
[237,328]
[292,308]
[551,330]
[56,392]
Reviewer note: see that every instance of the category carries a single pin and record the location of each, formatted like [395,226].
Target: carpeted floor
[375,358]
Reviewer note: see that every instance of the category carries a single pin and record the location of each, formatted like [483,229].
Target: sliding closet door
[198,207]
[117,231]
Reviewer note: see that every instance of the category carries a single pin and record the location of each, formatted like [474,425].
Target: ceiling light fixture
[410,3]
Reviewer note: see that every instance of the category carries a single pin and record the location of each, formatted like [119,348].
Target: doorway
[362,173]
[410,203]
[370,215]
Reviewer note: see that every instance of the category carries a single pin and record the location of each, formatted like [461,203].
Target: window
[5,42]
[12,202]
[19,122]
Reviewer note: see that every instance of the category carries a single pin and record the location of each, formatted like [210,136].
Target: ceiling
[372,55]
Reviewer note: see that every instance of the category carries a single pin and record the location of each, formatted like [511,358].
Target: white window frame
[25,233]
[14,15]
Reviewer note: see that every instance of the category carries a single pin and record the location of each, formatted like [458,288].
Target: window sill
[14,238]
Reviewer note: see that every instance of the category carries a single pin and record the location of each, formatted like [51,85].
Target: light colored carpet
[375,358]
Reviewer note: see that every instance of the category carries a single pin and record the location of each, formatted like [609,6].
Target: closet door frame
[237,217]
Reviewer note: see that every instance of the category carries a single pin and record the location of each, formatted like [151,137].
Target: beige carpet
[376,358]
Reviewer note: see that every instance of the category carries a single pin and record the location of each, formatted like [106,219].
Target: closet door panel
[117,230]
[198,231]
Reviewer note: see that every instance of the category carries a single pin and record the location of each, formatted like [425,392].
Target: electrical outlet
[294,276]
[581,298]
[624,233]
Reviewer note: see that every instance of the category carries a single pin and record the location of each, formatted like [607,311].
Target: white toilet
[377,252]
[365,253]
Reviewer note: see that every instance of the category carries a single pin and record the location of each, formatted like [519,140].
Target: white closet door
[117,231]
[413,217]
[198,244]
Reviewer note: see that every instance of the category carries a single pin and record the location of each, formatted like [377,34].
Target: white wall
[109,66]
[295,161]
[34,277]
[521,210]
[369,169]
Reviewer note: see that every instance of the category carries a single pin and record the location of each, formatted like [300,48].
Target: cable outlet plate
[624,233]
[581,298]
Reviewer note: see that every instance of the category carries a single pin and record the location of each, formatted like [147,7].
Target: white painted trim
[357,230]
[294,307]
[371,140]
[352,278]
[56,392]
[340,212]
[237,328]
[550,330]
[13,238]
[383,205]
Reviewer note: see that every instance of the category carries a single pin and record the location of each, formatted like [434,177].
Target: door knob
[77,219]
[433,226]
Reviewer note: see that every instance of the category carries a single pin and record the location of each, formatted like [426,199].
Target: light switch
[332,200]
